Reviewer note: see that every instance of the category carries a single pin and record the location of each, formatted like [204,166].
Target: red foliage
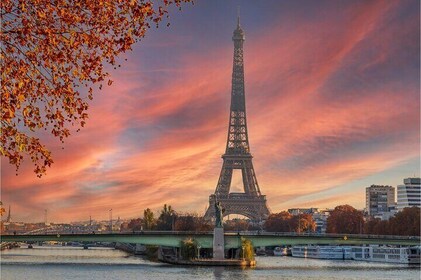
[345,219]
[405,222]
[192,222]
[52,53]
[285,222]
[279,222]
[135,224]
[303,223]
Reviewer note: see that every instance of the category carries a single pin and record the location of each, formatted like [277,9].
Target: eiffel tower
[251,203]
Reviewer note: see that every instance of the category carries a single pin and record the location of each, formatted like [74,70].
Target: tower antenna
[238,16]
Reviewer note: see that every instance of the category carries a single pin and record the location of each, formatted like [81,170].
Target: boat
[322,252]
[278,251]
[261,252]
[74,244]
[387,254]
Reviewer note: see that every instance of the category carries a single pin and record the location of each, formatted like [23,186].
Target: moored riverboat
[322,252]
[386,254]
[280,251]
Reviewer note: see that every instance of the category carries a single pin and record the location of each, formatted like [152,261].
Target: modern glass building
[409,194]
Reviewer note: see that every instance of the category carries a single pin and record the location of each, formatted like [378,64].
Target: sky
[332,97]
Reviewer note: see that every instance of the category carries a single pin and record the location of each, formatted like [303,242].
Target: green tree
[167,218]
[149,221]
[52,55]
[345,219]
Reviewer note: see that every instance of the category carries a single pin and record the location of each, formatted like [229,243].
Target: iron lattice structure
[251,203]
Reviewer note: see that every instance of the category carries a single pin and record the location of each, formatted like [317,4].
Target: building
[409,194]
[296,211]
[379,200]
[320,218]
[392,210]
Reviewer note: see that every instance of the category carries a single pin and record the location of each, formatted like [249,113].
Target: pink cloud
[147,144]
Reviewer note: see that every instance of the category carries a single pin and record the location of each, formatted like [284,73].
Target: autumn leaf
[52,52]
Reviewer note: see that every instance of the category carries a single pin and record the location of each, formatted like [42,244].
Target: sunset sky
[332,94]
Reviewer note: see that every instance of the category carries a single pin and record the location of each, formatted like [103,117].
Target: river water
[59,263]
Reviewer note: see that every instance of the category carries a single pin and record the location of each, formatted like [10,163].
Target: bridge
[232,239]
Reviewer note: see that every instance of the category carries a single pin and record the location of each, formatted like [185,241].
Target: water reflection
[104,264]
[218,272]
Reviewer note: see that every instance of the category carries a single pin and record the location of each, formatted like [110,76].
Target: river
[59,263]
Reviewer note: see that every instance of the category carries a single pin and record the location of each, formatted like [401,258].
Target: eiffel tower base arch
[255,208]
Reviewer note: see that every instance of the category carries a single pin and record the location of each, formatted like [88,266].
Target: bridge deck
[232,240]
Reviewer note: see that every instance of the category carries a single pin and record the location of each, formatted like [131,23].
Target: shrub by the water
[247,250]
[188,249]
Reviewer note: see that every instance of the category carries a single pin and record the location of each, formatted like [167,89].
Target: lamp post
[198,251]
[299,222]
[111,220]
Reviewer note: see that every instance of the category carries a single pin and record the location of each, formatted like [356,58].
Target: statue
[218,214]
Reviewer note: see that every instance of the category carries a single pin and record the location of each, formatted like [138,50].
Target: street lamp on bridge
[111,220]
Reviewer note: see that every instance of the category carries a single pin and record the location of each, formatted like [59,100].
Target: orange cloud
[321,116]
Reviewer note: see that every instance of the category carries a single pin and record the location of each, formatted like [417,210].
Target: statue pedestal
[218,244]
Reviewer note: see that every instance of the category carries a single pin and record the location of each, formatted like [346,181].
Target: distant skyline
[333,106]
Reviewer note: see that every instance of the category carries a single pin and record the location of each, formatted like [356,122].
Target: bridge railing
[243,233]
[329,235]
